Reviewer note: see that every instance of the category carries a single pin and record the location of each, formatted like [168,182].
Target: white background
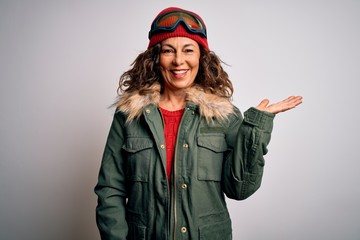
[60,62]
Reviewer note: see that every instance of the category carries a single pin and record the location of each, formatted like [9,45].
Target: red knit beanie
[180,31]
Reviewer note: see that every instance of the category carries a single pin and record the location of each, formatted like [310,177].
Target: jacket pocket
[216,227]
[211,150]
[137,231]
[138,158]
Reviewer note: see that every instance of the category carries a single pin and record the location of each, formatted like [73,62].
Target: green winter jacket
[217,152]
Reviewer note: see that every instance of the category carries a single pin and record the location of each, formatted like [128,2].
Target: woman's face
[179,62]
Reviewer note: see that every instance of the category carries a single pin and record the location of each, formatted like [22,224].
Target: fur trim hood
[210,106]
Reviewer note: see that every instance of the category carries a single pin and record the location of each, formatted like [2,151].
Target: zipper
[174,179]
[168,186]
[174,171]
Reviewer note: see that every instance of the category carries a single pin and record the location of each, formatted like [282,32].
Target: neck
[172,100]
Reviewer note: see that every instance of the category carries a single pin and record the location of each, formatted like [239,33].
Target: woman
[177,145]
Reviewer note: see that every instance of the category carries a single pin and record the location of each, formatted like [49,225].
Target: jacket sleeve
[110,188]
[243,165]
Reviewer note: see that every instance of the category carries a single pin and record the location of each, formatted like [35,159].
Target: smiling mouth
[179,73]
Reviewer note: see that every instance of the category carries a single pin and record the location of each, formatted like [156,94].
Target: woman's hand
[282,106]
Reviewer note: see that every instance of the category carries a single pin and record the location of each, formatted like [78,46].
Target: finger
[263,104]
[290,99]
[291,103]
[295,101]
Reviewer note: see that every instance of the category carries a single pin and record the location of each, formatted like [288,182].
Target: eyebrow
[169,45]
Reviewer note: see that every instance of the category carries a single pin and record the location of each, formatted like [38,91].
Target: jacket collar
[210,106]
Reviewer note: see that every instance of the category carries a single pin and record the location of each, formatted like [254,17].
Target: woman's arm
[243,166]
[111,189]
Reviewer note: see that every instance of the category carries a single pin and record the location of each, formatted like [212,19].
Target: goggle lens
[169,22]
[172,18]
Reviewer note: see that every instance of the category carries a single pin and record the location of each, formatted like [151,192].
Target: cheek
[162,71]
[195,67]
[195,63]
[162,62]
[165,74]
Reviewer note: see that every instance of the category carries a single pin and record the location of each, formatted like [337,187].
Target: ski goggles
[169,21]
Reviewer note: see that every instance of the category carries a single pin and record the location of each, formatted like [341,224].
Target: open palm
[282,106]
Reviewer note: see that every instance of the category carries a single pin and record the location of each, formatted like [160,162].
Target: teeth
[180,72]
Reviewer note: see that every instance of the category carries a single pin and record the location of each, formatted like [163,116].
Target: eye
[167,51]
[188,50]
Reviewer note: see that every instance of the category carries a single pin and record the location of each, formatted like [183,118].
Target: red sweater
[171,124]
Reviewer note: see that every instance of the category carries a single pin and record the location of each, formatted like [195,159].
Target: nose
[178,58]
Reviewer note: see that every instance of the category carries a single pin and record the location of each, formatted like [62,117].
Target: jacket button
[183,229]
[162,146]
[147,111]
[185,145]
[183,186]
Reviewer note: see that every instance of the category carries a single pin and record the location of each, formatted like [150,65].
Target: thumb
[262,105]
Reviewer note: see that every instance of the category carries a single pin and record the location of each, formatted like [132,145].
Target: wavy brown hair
[145,72]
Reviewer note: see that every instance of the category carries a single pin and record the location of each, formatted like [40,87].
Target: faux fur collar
[210,106]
